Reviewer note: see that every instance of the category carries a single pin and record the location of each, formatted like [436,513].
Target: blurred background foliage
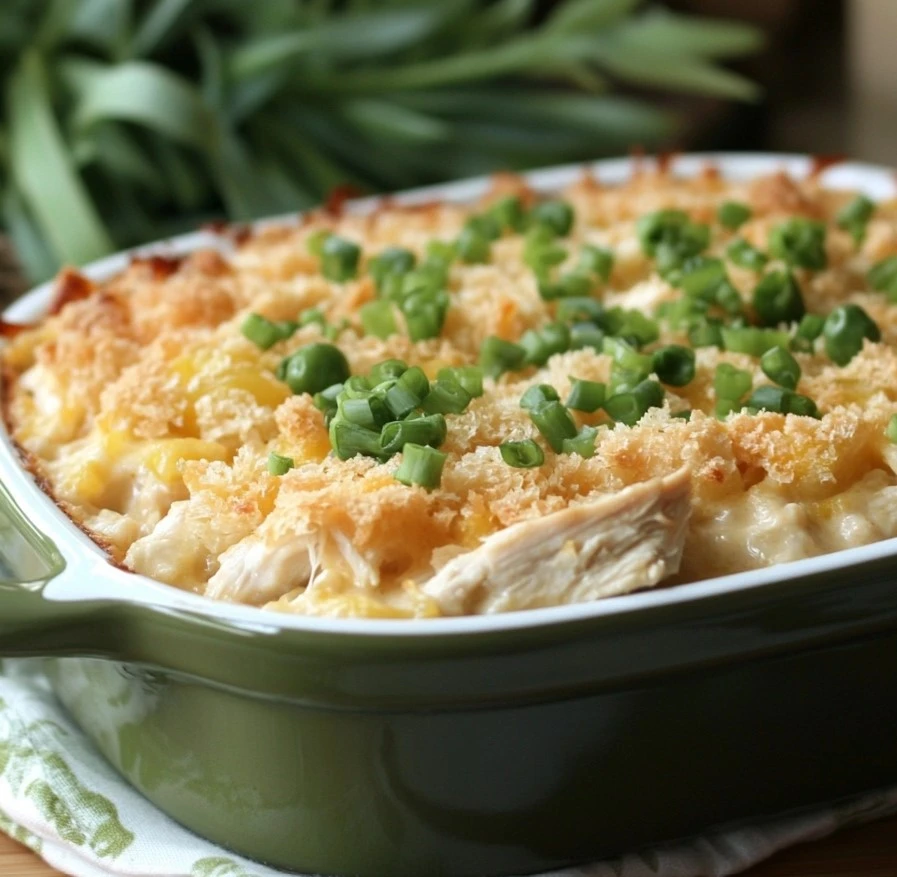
[130,120]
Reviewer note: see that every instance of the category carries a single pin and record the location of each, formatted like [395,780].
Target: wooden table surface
[867,851]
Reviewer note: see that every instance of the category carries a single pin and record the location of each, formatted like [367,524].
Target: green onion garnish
[855,216]
[731,383]
[421,465]
[630,407]
[314,368]
[706,333]
[586,395]
[541,250]
[509,212]
[555,215]
[751,340]
[525,454]
[584,335]
[733,214]
[314,243]
[596,260]
[339,258]
[498,356]
[809,329]
[745,255]
[671,237]
[777,299]
[278,465]
[392,260]
[781,367]
[387,370]
[729,298]
[630,325]
[473,246]
[361,412]
[555,423]
[349,440]
[701,276]
[882,277]
[575,284]
[446,397]
[538,394]
[265,333]
[891,429]
[583,443]
[625,355]
[429,430]
[541,344]
[579,309]
[674,364]
[485,225]
[408,392]
[800,242]
[782,401]
[470,377]
[377,318]
[844,331]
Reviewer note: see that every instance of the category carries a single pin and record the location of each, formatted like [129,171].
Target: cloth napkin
[60,797]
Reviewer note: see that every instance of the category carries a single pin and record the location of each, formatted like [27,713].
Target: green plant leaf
[102,23]
[160,25]
[43,169]
[118,153]
[148,95]
[342,38]
[37,260]
[577,16]
[665,32]
[394,122]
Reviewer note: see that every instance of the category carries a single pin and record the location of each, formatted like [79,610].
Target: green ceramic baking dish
[475,746]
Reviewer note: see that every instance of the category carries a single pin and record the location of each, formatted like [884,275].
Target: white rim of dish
[88,575]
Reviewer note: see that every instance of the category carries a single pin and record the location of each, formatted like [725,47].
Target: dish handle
[30,623]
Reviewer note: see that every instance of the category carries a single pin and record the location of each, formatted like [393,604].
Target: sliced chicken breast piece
[620,543]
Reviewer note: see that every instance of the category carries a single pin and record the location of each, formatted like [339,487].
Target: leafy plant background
[130,120]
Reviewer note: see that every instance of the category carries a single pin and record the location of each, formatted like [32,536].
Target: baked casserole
[452,409]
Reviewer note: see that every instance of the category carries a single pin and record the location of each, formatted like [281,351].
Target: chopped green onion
[631,325]
[782,401]
[706,333]
[729,298]
[584,335]
[882,277]
[349,440]
[751,340]
[357,387]
[623,354]
[537,394]
[278,465]
[724,407]
[473,246]
[809,329]
[339,258]
[555,423]
[624,380]
[743,254]
[377,319]
[314,243]
[891,429]
[674,364]
[265,333]
[429,430]
[509,212]
[446,397]
[408,392]
[314,367]
[730,383]
[583,443]
[498,356]
[525,454]
[573,284]
[555,215]
[781,367]
[541,344]
[596,260]
[331,333]
[701,276]
[424,313]
[391,261]
[733,214]
[387,370]
[844,331]
[586,395]
[361,412]
[485,225]
[326,401]
[541,250]
[312,316]
[855,216]
[800,242]
[630,407]
[578,309]
[421,465]
[671,237]
[470,377]
[777,299]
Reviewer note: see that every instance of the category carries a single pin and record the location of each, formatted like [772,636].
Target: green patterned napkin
[60,797]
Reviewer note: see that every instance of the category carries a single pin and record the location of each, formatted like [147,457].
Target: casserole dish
[462,746]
